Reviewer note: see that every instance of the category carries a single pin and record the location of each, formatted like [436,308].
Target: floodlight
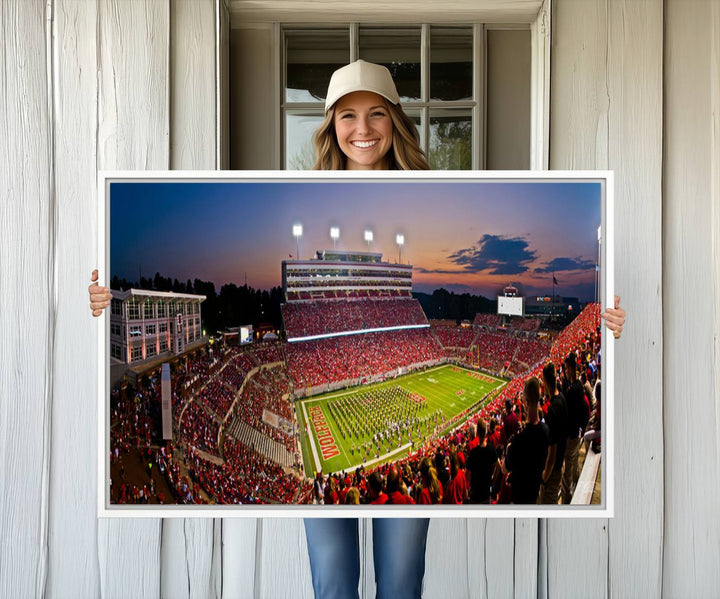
[335,234]
[400,240]
[368,237]
[297,233]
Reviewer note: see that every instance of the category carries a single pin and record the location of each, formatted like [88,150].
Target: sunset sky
[473,236]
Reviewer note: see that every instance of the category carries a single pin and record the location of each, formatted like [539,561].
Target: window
[116,351]
[151,350]
[135,330]
[133,309]
[480,95]
[162,327]
[148,311]
[136,353]
[150,330]
[114,329]
[163,344]
[116,307]
[435,69]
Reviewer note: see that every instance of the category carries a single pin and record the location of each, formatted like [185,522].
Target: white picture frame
[606,287]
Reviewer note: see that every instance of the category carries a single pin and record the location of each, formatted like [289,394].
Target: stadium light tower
[368,237]
[334,233]
[400,240]
[297,233]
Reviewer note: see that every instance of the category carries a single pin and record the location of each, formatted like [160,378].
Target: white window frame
[422,107]
[271,13]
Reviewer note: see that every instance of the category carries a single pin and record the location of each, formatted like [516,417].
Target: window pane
[508,100]
[299,150]
[450,139]
[399,51]
[415,116]
[311,58]
[451,55]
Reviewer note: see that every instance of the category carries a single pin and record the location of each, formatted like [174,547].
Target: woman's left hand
[615,318]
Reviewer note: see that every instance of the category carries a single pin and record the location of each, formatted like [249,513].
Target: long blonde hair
[405,154]
[430,479]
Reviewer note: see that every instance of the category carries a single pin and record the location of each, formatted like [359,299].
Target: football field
[374,423]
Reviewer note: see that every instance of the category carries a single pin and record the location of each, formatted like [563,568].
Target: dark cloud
[437,271]
[566,264]
[496,254]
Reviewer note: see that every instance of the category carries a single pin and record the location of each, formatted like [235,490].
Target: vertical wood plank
[540,89]
[607,113]
[193,85]
[186,558]
[73,568]
[239,558]
[490,558]
[446,558]
[635,86]
[576,550]
[27,313]
[282,564]
[133,126]
[715,202]
[187,555]
[222,17]
[690,404]
[525,563]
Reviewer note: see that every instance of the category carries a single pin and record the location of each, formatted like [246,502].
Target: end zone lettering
[325,439]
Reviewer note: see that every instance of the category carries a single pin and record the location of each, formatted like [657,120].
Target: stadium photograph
[373,342]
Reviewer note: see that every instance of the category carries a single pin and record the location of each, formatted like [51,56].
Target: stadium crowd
[337,359]
[447,468]
[303,319]
[499,455]
[246,476]
[461,337]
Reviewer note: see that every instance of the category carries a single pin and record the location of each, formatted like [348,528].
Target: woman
[364,129]
[457,490]
[430,492]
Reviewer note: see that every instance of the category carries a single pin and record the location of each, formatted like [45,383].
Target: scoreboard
[511,306]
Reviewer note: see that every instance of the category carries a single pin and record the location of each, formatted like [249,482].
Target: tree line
[233,306]
[240,305]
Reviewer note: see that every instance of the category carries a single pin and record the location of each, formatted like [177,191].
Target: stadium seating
[336,359]
[304,319]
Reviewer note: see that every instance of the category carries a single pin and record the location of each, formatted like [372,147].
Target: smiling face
[364,130]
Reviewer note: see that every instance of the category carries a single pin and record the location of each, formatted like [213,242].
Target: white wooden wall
[114,84]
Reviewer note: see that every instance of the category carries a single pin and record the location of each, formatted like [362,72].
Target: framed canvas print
[356,344]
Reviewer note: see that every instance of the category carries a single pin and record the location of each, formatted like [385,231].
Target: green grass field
[342,424]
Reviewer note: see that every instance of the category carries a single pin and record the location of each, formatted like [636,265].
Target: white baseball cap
[361,76]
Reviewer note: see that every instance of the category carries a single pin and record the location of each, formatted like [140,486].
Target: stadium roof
[123,295]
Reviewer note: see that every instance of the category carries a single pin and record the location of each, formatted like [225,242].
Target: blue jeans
[398,552]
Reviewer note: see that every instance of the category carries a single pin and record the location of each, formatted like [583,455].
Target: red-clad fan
[457,490]
[395,496]
[375,492]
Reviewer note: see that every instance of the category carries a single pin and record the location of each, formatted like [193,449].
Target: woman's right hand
[99,296]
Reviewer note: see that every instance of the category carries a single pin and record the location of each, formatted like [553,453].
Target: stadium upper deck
[344,293]
[341,275]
